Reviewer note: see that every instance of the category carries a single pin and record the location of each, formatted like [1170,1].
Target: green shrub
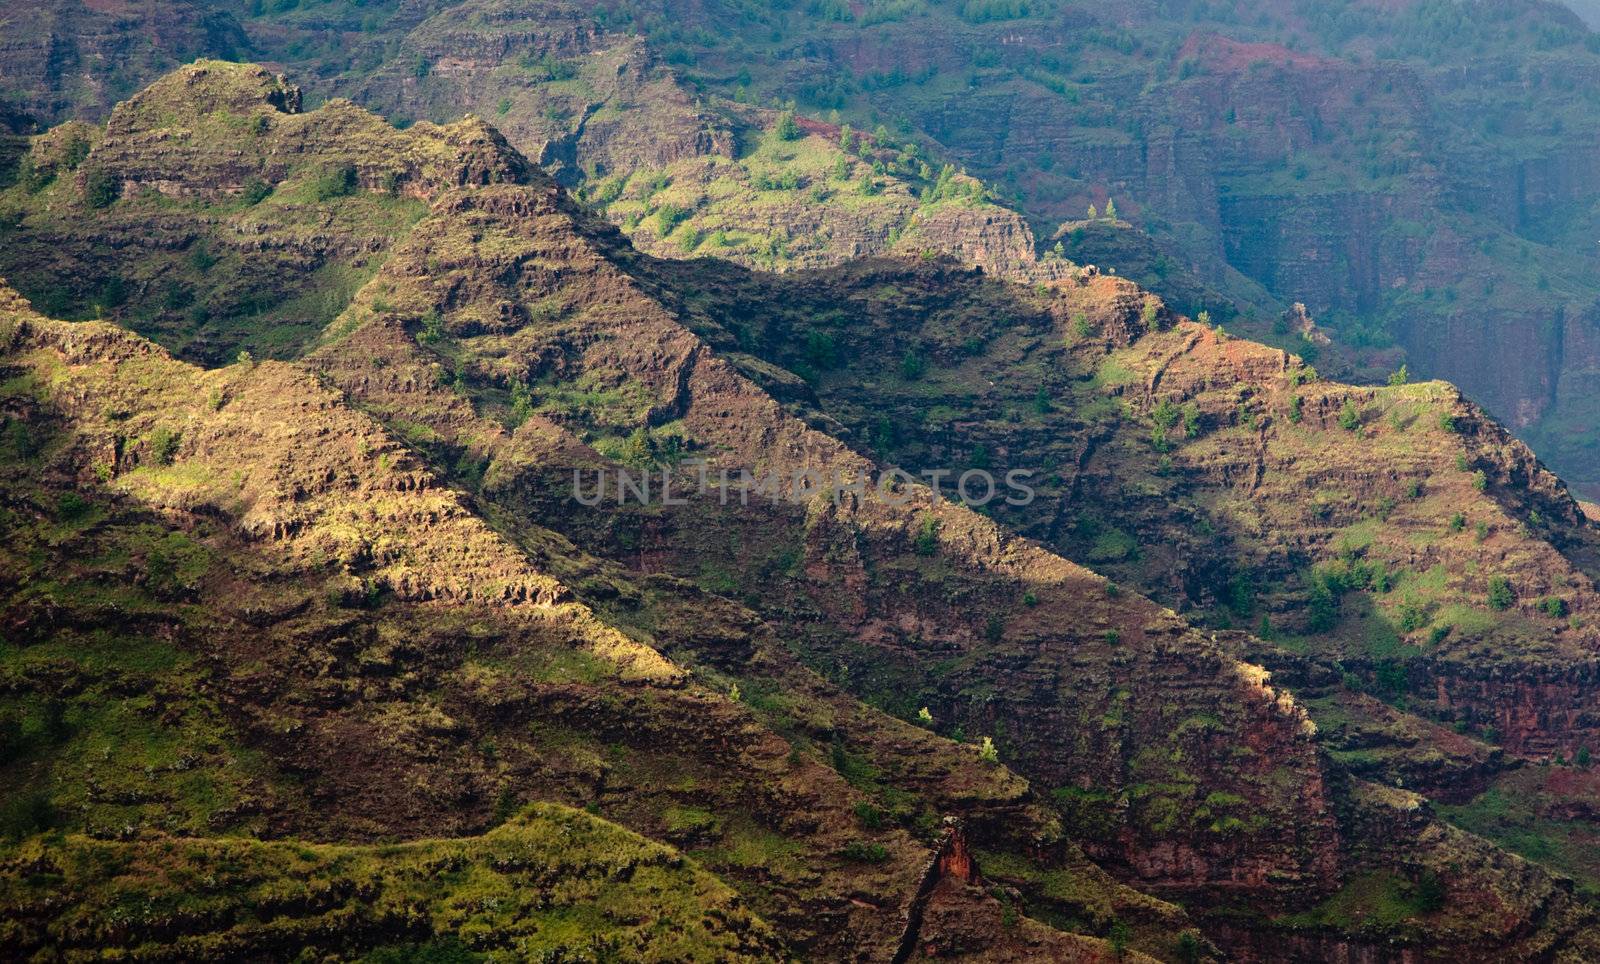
[164,445]
[1430,892]
[1322,608]
[1413,616]
[255,191]
[821,351]
[668,217]
[988,753]
[861,852]
[870,816]
[926,542]
[340,180]
[26,814]
[1150,315]
[1500,595]
[101,188]
[1191,420]
[1166,414]
[913,366]
[432,328]
[75,152]
[1189,950]
[1349,416]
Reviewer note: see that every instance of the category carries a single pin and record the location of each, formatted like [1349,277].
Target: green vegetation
[1500,594]
[550,881]
[926,542]
[100,188]
[1349,416]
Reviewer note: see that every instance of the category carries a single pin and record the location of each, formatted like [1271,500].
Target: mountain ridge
[417,576]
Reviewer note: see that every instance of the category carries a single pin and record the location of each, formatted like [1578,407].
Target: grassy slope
[549,881]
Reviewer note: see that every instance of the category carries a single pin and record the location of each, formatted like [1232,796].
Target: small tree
[255,191]
[925,717]
[1118,938]
[1297,409]
[1500,594]
[787,129]
[1191,420]
[1190,950]
[1400,377]
[913,366]
[339,180]
[1094,213]
[164,445]
[1111,210]
[987,752]
[1349,416]
[926,542]
[640,448]
[1165,414]
[1430,892]
[100,188]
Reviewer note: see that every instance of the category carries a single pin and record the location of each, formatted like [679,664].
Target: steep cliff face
[1228,479]
[579,98]
[64,59]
